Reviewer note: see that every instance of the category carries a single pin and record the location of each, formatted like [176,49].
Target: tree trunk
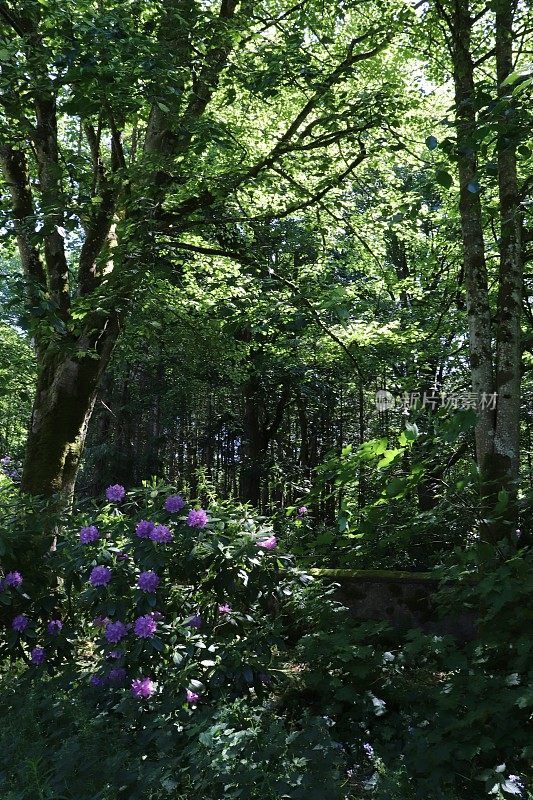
[497,431]
[64,399]
[475,268]
[255,446]
[505,462]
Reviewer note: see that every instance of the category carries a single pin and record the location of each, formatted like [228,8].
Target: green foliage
[295,697]
[17,376]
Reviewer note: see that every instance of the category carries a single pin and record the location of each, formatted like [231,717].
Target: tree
[140,118]
[482,112]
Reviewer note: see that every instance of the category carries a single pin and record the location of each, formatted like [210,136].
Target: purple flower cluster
[100,576]
[38,656]
[142,687]
[115,493]
[54,626]
[97,681]
[195,621]
[225,608]
[144,529]
[115,631]
[302,511]
[268,543]
[6,465]
[89,535]
[145,626]
[191,697]
[117,675]
[160,533]
[148,581]
[13,579]
[174,503]
[20,623]
[197,518]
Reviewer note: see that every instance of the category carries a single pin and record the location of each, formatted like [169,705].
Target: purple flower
[269,543]
[142,687]
[122,556]
[115,493]
[20,623]
[13,579]
[117,675]
[225,608]
[38,656]
[145,626]
[144,529]
[97,681]
[191,697]
[89,535]
[148,581]
[174,503]
[160,533]
[197,518]
[302,511]
[54,626]
[100,576]
[369,750]
[115,631]
[99,622]
[195,621]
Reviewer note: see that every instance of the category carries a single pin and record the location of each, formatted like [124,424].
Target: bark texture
[475,267]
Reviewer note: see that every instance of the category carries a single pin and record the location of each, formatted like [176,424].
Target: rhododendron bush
[157,596]
[167,648]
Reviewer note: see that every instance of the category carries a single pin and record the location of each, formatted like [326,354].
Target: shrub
[180,653]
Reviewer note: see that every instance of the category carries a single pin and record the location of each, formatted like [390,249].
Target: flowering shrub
[148,582]
[219,670]
[169,615]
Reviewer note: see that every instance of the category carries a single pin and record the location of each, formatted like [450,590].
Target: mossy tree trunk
[494,339]
[64,399]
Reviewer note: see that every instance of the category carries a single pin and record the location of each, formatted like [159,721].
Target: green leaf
[510,79]
[388,457]
[396,487]
[444,178]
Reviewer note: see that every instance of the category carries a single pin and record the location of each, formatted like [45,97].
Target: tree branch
[251,262]
[13,163]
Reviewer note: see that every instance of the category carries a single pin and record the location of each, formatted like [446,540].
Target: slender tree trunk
[304,436]
[255,446]
[475,268]
[505,463]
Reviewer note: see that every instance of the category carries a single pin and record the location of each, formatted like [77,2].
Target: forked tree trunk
[498,370]
[64,399]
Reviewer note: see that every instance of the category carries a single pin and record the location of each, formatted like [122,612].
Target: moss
[374,575]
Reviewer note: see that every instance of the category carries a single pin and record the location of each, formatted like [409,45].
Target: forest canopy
[269,265]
